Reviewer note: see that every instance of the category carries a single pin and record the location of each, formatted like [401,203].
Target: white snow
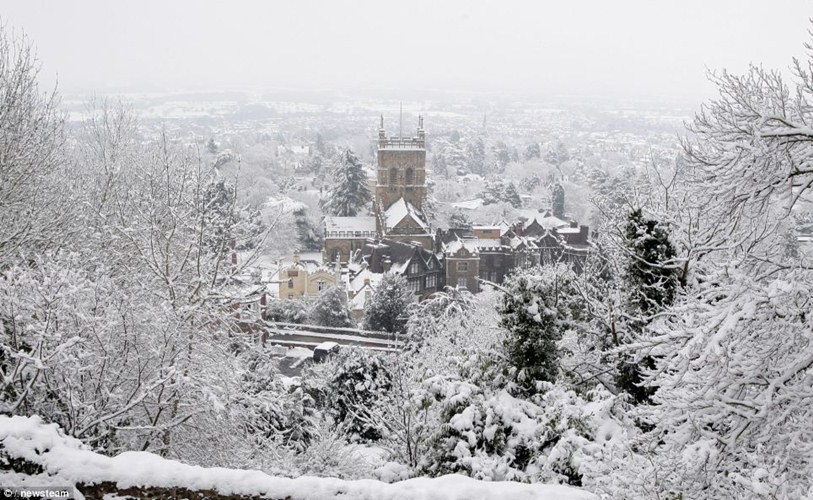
[66,459]
[401,209]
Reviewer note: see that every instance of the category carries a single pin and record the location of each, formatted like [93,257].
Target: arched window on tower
[393,176]
[410,176]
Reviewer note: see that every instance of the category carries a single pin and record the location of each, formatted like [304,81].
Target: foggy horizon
[595,50]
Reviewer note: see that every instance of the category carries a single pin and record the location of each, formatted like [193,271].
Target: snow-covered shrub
[288,311]
[348,387]
[330,309]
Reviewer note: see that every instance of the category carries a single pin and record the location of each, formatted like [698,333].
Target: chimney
[386,264]
[574,224]
[296,256]
[584,232]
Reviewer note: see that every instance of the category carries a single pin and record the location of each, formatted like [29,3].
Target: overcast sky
[600,48]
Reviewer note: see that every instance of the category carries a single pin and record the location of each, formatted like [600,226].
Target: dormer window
[414,268]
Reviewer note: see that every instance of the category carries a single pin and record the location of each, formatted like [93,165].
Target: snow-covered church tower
[400,188]
[401,169]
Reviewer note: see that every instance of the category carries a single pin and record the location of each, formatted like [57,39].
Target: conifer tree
[511,195]
[651,285]
[558,208]
[536,309]
[388,309]
[350,191]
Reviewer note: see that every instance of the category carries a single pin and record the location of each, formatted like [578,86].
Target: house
[462,262]
[305,278]
[361,286]
[421,267]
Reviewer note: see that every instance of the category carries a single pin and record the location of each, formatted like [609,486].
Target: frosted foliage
[735,407]
[34,206]
[330,309]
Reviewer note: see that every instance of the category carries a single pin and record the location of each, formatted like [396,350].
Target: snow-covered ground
[66,461]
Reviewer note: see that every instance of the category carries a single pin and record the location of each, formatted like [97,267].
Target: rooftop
[401,209]
[350,224]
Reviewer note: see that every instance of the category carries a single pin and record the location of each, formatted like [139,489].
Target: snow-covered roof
[568,230]
[363,224]
[486,242]
[357,282]
[400,210]
[454,246]
[469,204]
[544,219]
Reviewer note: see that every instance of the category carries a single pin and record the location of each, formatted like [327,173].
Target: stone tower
[401,168]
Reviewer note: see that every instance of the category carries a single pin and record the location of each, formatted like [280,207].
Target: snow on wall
[65,460]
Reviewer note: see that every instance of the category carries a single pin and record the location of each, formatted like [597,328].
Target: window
[409,177]
[320,285]
[462,282]
[415,284]
[431,280]
[462,267]
[414,268]
[290,283]
[290,295]
[393,176]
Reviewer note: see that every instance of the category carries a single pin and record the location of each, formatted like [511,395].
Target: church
[400,193]
[398,238]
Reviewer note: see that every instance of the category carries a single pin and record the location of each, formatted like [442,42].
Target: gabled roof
[398,253]
[457,245]
[544,219]
[399,211]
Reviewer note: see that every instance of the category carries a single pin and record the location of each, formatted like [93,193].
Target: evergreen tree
[651,285]
[320,146]
[536,309]
[358,379]
[511,195]
[310,238]
[557,155]
[502,155]
[494,192]
[211,146]
[460,220]
[558,208]
[388,309]
[532,151]
[476,156]
[330,309]
[350,191]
